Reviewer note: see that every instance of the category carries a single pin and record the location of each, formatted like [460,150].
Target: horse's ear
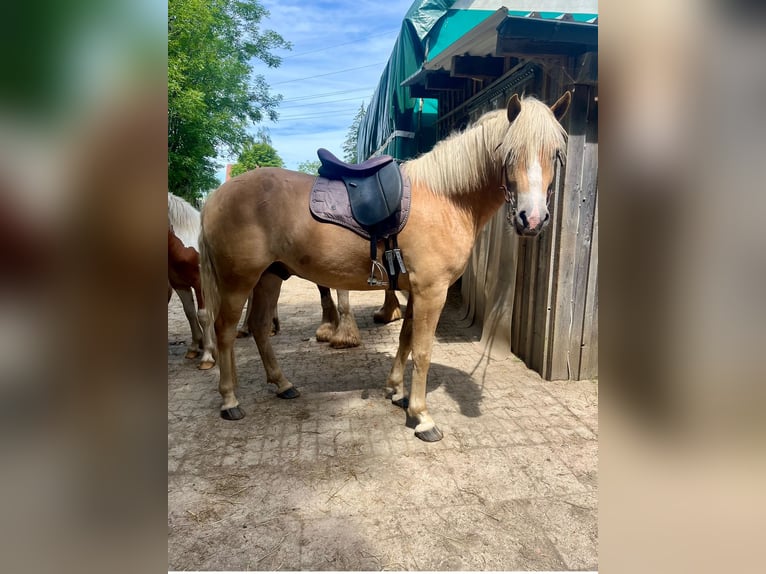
[514,107]
[561,106]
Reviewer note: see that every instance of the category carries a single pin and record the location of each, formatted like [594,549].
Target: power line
[327,74]
[319,115]
[322,103]
[338,45]
[327,94]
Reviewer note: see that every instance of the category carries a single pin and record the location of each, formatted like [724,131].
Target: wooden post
[559,362]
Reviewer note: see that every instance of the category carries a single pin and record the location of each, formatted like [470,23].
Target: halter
[510,192]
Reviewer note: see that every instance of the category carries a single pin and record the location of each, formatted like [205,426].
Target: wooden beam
[477,67]
[582,254]
[420,91]
[589,345]
[524,47]
[443,81]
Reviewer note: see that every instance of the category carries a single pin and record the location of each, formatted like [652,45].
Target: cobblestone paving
[334,480]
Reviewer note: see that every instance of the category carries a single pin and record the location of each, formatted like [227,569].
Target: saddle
[375,192]
[374,187]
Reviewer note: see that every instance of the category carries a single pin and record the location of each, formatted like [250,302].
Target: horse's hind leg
[395,383]
[207,361]
[329,316]
[347,334]
[390,311]
[226,321]
[244,330]
[190,310]
[264,301]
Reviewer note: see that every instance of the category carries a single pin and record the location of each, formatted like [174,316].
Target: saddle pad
[329,203]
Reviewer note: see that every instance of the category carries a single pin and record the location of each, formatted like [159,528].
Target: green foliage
[256,154]
[213,94]
[309,167]
[349,146]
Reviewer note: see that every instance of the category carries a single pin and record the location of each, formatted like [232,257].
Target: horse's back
[263,216]
[246,214]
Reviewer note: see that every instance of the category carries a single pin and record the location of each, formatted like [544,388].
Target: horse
[260,219]
[339,324]
[184,276]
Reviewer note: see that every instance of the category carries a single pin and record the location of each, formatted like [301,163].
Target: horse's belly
[336,258]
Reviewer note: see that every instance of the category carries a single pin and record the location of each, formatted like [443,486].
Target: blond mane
[184,219]
[470,160]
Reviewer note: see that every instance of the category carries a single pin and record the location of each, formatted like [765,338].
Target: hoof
[344,343]
[232,414]
[291,393]
[431,435]
[402,402]
[205,365]
[191,354]
[242,334]
[383,316]
[325,332]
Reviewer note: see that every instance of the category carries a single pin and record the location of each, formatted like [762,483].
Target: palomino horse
[259,220]
[184,276]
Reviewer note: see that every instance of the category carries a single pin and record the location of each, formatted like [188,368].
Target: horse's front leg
[265,297]
[427,308]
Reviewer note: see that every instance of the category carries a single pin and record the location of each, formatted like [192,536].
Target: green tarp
[391,108]
[404,127]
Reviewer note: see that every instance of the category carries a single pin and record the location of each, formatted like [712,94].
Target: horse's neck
[477,200]
[481,204]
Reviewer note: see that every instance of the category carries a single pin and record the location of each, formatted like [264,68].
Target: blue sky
[320,98]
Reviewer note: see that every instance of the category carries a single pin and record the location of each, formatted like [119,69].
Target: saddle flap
[333,168]
[375,198]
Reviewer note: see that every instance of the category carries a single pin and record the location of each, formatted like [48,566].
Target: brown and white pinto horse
[184,277]
[261,217]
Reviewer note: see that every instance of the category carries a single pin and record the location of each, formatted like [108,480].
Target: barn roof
[433,33]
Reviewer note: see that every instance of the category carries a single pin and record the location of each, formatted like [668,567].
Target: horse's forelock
[535,132]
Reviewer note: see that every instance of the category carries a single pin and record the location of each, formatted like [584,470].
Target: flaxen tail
[208,277]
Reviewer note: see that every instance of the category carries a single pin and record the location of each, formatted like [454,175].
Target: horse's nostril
[523,217]
[547,217]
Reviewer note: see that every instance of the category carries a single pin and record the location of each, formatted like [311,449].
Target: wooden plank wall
[554,318]
[555,313]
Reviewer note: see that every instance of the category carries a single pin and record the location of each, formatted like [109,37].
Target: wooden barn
[534,297]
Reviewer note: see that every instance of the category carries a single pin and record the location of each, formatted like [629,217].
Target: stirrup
[373,281]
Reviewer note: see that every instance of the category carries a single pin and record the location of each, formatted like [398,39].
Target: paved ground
[334,480]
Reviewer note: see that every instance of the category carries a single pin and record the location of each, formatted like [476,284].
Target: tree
[349,146]
[213,94]
[309,167]
[257,154]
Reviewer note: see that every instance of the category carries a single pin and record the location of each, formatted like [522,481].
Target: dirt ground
[334,480]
